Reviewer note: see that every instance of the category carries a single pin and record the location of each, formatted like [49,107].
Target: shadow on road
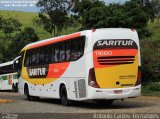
[117,104]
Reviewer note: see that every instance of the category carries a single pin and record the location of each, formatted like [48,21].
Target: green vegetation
[155,29]
[151,89]
[150,56]
[26,19]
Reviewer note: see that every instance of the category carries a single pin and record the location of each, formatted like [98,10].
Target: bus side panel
[70,77]
[6,82]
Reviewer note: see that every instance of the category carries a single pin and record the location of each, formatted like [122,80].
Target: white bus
[8,77]
[101,65]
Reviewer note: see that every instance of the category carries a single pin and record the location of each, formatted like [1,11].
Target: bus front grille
[115,60]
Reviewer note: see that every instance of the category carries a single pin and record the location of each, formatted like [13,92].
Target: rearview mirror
[16,63]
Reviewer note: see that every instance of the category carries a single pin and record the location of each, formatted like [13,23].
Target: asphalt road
[142,104]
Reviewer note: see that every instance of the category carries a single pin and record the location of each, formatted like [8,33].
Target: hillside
[26,19]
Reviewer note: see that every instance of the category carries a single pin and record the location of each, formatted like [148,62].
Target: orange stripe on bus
[56,70]
[55,40]
[115,52]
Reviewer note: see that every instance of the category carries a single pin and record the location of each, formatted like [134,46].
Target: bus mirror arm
[16,63]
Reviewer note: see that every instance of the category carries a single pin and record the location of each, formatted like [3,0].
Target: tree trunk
[6,35]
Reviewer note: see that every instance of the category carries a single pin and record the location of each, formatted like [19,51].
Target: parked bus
[101,65]
[8,77]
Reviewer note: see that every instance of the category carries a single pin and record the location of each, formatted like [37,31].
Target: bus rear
[116,64]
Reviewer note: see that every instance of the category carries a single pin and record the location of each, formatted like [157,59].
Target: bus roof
[6,63]
[51,40]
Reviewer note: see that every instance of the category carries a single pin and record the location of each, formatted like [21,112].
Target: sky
[29,5]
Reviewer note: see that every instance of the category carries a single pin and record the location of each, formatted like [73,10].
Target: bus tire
[13,88]
[16,87]
[63,96]
[104,102]
[26,92]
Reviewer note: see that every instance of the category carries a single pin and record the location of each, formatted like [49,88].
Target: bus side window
[37,56]
[74,46]
[21,60]
[77,46]
[81,45]
[41,56]
[30,57]
[26,62]
[46,54]
[56,52]
[53,53]
[68,51]
[33,60]
[49,52]
[62,55]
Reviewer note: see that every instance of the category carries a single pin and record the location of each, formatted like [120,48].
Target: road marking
[5,100]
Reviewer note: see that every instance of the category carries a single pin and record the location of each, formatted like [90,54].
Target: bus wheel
[13,88]
[63,96]
[26,91]
[16,87]
[104,102]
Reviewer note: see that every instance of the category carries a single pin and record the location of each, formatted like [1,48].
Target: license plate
[117,91]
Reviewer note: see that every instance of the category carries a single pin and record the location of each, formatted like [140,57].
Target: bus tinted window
[41,58]
[62,55]
[26,62]
[33,58]
[56,50]
[46,55]
[6,69]
[77,48]
[37,54]
[53,53]
[69,50]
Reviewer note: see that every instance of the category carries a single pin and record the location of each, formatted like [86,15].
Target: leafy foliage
[9,25]
[96,14]
[21,39]
[54,15]
[150,61]
[1,22]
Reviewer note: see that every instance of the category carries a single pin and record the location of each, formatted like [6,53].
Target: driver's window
[21,60]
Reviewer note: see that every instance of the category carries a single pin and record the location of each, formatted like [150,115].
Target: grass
[26,19]
[150,89]
[155,29]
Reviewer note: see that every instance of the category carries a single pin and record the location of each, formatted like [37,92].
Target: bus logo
[115,44]
[37,72]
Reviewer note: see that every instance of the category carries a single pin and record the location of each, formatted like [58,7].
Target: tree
[155,8]
[56,14]
[132,14]
[47,24]
[138,17]
[10,25]
[4,50]
[21,39]
[36,22]
[1,22]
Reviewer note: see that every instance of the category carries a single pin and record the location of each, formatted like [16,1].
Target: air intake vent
[116,60]
[82,88]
